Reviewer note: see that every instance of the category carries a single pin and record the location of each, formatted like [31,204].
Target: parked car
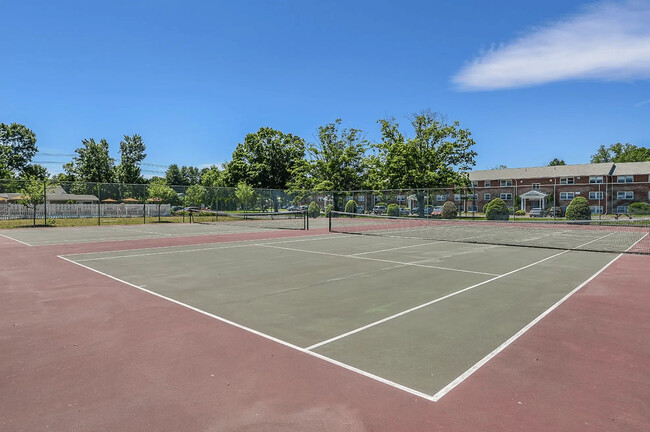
[436,211]
[361,209]
[536,212]
[428,209]
[403,211]
[415,210]
[303,207]
[556,211]
[292,208]
[379,209]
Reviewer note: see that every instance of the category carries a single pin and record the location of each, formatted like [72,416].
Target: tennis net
[618,236]
[296,220]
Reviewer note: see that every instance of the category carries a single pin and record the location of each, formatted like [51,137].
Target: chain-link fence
[66,202]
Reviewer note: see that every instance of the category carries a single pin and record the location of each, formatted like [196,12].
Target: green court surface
[414,314]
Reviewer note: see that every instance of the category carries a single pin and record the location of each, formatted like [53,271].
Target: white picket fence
[59,211]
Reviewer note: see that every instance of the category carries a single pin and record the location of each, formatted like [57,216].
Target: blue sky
[531,80]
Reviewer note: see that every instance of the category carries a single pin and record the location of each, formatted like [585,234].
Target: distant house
[56,195]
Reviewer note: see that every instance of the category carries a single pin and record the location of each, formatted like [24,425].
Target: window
[349,199]
[506,196]
[361,198]
[472,208]
[625,179]
[505,183]
[596,195]
[320,199]
[567,180]
[596,209]
[536,186]
[621,209]
[487,183]
[401,197]
[474,184]
[567,196]
[595,179]
[625,195]
[456,197]
[441,197]
[486,197]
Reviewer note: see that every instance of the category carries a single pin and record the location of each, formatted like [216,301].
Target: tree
[438,155]
[33,193]
[92,163]
[244,194]
[190,175]
[35,171]
[266,159]
[497,209]
[17,148]
[131,155]
[173,176]
[500,167]
[162,192]
[195,195]
[556,162]
[621,153]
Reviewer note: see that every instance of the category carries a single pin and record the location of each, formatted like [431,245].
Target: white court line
[264,335]
[16,240]
[228,245]
[455,293]
[395,248]
[380,260]
[504,345]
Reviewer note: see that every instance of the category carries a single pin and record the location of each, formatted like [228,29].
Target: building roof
[597,169]
[630,168]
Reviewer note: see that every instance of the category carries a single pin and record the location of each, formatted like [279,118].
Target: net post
[99,206]
[330,221]
[45,202]
[144,211]
[306,224]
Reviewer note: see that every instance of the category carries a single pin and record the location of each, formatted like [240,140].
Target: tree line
[431,153]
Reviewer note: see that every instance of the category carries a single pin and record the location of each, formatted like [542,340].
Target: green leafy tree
[266,159]
[132,153]
[578,209]
[190,175]
[244,194]
[438,155]
[497,209]
[500,167]
[639,208]
[33,193]
[328,209]
[17,148]
[556,162]
[92,163]
[195,195]
[161,192]
[621,153]
[35,171]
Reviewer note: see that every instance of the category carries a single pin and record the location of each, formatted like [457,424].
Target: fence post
[99,206]
[45,202]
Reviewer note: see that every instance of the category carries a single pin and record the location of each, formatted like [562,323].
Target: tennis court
[403,311]
[416,315]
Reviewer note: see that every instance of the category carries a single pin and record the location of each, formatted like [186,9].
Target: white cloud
[640,104]
[607,41]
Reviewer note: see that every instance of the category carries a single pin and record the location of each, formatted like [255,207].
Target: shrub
[448,210]
[520,213]
[351,206]
[328,209]
[485,206]
[639,208]
[497,209]
[380,203]
[393,210]
[578,209]
[313,210]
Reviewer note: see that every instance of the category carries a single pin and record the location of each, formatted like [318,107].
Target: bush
[520,213]
[393,210]
[485,206]
[380,203]
[639,208]
[313,210]
[448,210]
[351,206]
[328,209]
[497,209]
[578,209]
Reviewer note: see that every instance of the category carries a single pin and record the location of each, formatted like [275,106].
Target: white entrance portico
[537,199]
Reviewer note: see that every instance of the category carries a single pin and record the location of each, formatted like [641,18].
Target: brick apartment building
[609,187]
